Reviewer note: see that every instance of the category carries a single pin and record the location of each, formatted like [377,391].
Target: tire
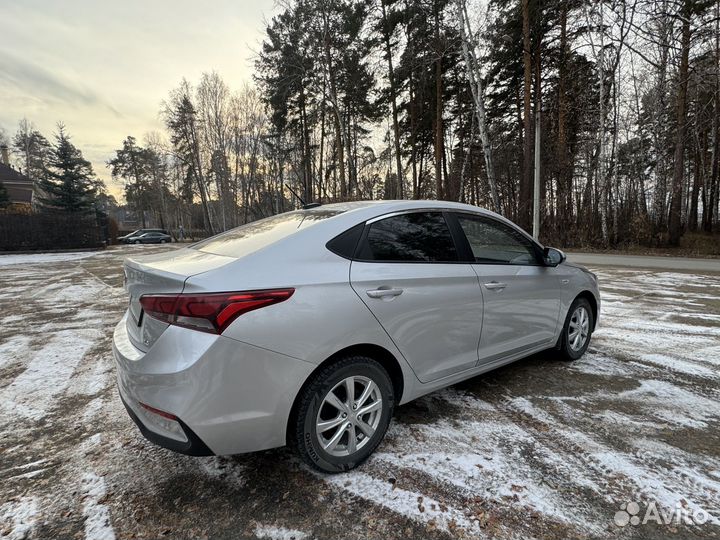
[573,346]
[312,407]
[162,241]
[136,242]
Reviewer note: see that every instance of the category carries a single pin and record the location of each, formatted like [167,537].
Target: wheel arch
[371,350]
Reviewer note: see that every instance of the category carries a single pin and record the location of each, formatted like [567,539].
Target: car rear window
[253,236]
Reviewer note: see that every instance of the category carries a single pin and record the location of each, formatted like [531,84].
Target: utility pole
[536,187]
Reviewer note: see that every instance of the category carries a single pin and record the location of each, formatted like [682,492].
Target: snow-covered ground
[539,449]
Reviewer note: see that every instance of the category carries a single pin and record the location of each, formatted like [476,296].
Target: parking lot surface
[538,449]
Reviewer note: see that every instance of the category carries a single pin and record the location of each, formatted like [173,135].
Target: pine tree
[70,185]
[130,164]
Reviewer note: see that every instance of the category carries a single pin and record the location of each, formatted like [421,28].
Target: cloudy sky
[103,68]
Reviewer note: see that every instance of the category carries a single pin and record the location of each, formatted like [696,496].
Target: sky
[103,68]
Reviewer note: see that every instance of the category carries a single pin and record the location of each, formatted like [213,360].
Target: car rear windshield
[250,237]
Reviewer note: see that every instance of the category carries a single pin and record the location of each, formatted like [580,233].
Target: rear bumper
[229,397]
[193,447]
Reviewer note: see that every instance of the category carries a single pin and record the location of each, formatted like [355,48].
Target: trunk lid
[163,273]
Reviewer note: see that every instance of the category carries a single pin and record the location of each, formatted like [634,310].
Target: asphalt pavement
[686,264]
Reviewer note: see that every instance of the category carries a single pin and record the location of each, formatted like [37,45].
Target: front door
[521,295]
[407,273]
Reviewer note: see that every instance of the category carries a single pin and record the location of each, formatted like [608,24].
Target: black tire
[566,350]
[302,428]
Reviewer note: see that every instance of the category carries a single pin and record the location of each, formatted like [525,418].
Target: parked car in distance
[151,238]
[307,328]
[129,238]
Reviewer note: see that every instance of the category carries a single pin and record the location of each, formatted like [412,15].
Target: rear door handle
[381,293]
[495,286]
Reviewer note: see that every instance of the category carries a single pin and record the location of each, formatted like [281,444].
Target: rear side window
[493,242]
[256,235]
[413,237]
[344,244]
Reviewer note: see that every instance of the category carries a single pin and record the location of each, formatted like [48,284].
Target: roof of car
[400,204]
[382,206]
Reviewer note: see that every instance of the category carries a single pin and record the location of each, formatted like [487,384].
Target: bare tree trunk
[714,180]
[660,194]
[398,192]
[564,179]
[439,132]
[675,221]
[476,86]
[524,205]
[339,125]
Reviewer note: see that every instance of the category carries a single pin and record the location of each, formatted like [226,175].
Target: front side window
[496,243]
[413,237]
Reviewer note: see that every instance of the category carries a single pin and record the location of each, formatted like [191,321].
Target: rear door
[407,272]
[521,295]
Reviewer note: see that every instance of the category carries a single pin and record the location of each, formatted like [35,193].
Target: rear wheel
[342,414]
[577,330]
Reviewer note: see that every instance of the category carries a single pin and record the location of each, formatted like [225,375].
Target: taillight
[209,312]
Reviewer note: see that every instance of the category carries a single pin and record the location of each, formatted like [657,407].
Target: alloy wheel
[349,416]
[579,328]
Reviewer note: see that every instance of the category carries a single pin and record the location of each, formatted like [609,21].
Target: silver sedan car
[309,327]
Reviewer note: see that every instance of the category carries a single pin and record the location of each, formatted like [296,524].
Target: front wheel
[577,330]
[342,414]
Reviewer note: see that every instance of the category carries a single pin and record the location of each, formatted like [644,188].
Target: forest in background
[387,99]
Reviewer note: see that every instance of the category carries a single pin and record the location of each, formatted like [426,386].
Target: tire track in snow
[33,393]
[416,506]
[629,471]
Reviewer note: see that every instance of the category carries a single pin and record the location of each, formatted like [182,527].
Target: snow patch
[14,349]
[32,393]
[223,468]
[650,483]
[673,404]
[97,515]
[415,506]
[92,409]
[272,532]
[39,258]
[20,517]
[683,366]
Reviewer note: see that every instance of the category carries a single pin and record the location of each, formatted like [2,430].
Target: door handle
[381,293]
[495,286]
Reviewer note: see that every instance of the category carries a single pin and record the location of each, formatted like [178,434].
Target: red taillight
[209,312]
[158,411]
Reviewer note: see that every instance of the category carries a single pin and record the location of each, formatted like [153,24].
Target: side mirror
[553,257]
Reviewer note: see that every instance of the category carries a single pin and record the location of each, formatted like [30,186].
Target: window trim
[442,211]
[470,257]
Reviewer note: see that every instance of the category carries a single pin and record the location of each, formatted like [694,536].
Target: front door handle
[495,286]
[382,293]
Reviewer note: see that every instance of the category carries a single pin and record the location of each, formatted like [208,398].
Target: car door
[521,295]
[407,271]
